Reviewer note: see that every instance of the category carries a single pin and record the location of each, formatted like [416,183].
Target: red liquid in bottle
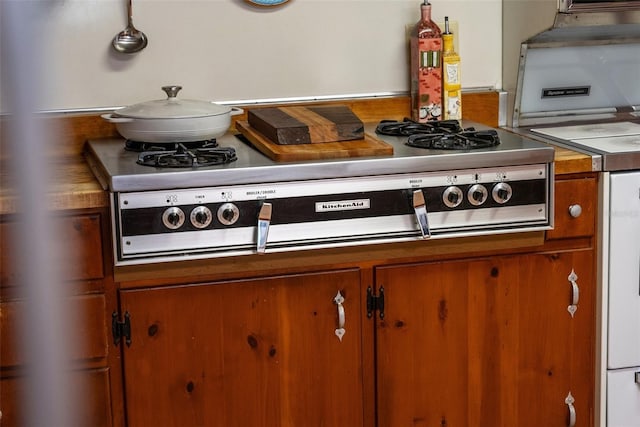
[426,68]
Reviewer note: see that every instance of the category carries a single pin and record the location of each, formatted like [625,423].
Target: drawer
[81,258]
[91,386]
[86,334]
[573,196]
[623,398]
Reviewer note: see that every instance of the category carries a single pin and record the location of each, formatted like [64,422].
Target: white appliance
[623,358]
[580,88]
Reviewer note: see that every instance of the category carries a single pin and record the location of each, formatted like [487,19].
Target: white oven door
[623,405]
[624,271]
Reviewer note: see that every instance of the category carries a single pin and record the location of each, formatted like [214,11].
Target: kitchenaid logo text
[343,205]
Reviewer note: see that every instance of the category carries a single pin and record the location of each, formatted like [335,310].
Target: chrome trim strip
[503,106]
[265,101]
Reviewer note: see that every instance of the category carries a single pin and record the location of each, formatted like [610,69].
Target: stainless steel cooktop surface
[118,171]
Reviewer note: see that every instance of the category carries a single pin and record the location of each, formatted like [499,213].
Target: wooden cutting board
[307,125]
[367,146]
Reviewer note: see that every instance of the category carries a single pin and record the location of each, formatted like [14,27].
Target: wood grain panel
[307,125]
[368,146]
[89,399]
[582,192]
[80,255]
[246,353]
[87,336]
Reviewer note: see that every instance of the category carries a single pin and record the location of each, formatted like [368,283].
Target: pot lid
[172,107]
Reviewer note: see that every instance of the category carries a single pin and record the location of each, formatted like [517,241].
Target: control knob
[173,218]
[477,194]
[501,192]
[452,196]
[228,214]
[200,217]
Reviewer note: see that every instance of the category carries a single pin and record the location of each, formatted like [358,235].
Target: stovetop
[118,170]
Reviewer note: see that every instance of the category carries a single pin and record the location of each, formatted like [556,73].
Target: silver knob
[575,210]
[200,216]
[228,214]
[477,194]
[501,192]
[452,196]
[171,91]
[173,218]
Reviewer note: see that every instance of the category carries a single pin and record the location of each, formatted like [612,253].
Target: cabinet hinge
[121,329]
[375,303]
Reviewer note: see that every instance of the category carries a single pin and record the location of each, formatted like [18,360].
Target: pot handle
[236,110]
[110,118]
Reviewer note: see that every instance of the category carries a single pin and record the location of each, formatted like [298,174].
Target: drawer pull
[638,377]
[338,300]
[575,293]
[571,420]
[420,209]
[575,210]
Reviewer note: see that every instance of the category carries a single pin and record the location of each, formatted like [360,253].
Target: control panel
[246,219]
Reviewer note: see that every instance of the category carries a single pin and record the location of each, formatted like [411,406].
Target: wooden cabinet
[487,341]
[491,337]
[88,296]
[246,353]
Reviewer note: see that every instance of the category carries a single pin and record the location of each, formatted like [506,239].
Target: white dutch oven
[173,119]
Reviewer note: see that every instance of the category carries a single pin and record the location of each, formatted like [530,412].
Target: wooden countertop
[74,186]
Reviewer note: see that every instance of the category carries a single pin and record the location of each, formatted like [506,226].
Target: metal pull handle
[420,209]
[575,210]
[338,300]
[638,377]
[264,219]
[575,293]
[571,420]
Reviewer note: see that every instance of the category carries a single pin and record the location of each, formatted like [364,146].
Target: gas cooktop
[498,183]
[118,169]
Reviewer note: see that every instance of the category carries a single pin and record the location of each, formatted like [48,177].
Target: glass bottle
[451,83]
[426,68]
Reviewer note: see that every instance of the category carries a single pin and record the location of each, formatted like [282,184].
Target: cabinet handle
[264,219]
[569,400]
[638,377]
[575,293]
[338,300]
[420,209]
[575,210]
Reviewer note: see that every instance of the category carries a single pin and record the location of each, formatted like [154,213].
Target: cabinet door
[245,353]
[556,349]
[484,342]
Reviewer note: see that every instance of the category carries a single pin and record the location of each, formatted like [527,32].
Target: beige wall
[521,20]
[226,50]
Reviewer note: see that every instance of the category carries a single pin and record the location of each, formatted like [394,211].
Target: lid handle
[171,91]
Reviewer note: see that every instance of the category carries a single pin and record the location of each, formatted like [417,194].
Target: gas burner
[469,139]
[183,157]
[409,127]
[440,135]
[139,146]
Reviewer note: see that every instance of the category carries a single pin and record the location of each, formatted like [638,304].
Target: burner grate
[440,135]
[458,141]
[183,157]
[139,146]
[408,127]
